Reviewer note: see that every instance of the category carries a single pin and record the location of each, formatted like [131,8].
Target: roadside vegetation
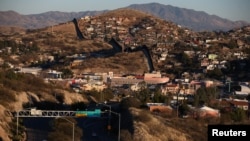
[62,130]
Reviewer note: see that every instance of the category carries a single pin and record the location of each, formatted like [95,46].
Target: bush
[143,116]
[6,96]
[130,102]
[21,82]
[238,115]
[126,135]
[62,130]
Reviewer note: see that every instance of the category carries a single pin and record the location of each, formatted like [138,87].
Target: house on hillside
[119,81]
[206,111]
[241,104]
[243,91]
[77,62]
[212,56]
[155,78]
[160,108]
[53,74]
[170,88]
[30,70]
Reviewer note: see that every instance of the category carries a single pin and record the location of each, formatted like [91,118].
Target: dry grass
[11,30]
[146,126]
[63,38]
[120,63]
[124,12]
[3,125]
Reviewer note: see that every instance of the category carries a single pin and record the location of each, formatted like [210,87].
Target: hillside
[148,127]
[62,38]
[136,124]
[11,30]
[59,48]
[20,91]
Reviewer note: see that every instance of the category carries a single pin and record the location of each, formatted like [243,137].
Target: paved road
[36,135]
[94,129]
[37,129]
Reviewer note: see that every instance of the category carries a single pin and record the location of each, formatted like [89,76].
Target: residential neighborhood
[172,48]
[172,70]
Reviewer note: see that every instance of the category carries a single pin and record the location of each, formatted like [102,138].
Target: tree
[5,66]
[211,94]
[232,44]
[130,102]
[158,97]
[183,109]
[200,96]
[17,136]
[67,73]
[238,115]
[185,59]
[144,95]
[204,96]
[88,78]
[107,94]
[94,93]
[216,73]
[248,97]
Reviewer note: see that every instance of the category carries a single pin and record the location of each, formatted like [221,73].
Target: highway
[37,129]
[94,128]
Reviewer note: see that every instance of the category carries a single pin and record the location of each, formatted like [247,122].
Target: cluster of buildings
[165,37]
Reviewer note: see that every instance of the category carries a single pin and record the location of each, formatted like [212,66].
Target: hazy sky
[229,9]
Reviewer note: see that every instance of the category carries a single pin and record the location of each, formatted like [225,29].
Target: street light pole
[119,133]
[109,106]
[177,104]
[17,122]
[119,126]
[73,127]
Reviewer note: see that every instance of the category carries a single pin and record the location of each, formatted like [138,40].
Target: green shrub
[130,102]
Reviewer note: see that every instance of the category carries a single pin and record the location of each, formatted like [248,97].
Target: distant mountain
[195,20]
[12,18]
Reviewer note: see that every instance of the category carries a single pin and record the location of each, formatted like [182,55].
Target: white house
[244,90]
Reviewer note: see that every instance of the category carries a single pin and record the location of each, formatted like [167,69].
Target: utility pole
[119,126]
[177,103]
[17,122]
[109,106]
[177,100]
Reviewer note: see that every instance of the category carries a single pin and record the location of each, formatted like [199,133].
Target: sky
[230,9]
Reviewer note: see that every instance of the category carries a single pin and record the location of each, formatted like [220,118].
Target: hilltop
[132,28]
[119,23]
